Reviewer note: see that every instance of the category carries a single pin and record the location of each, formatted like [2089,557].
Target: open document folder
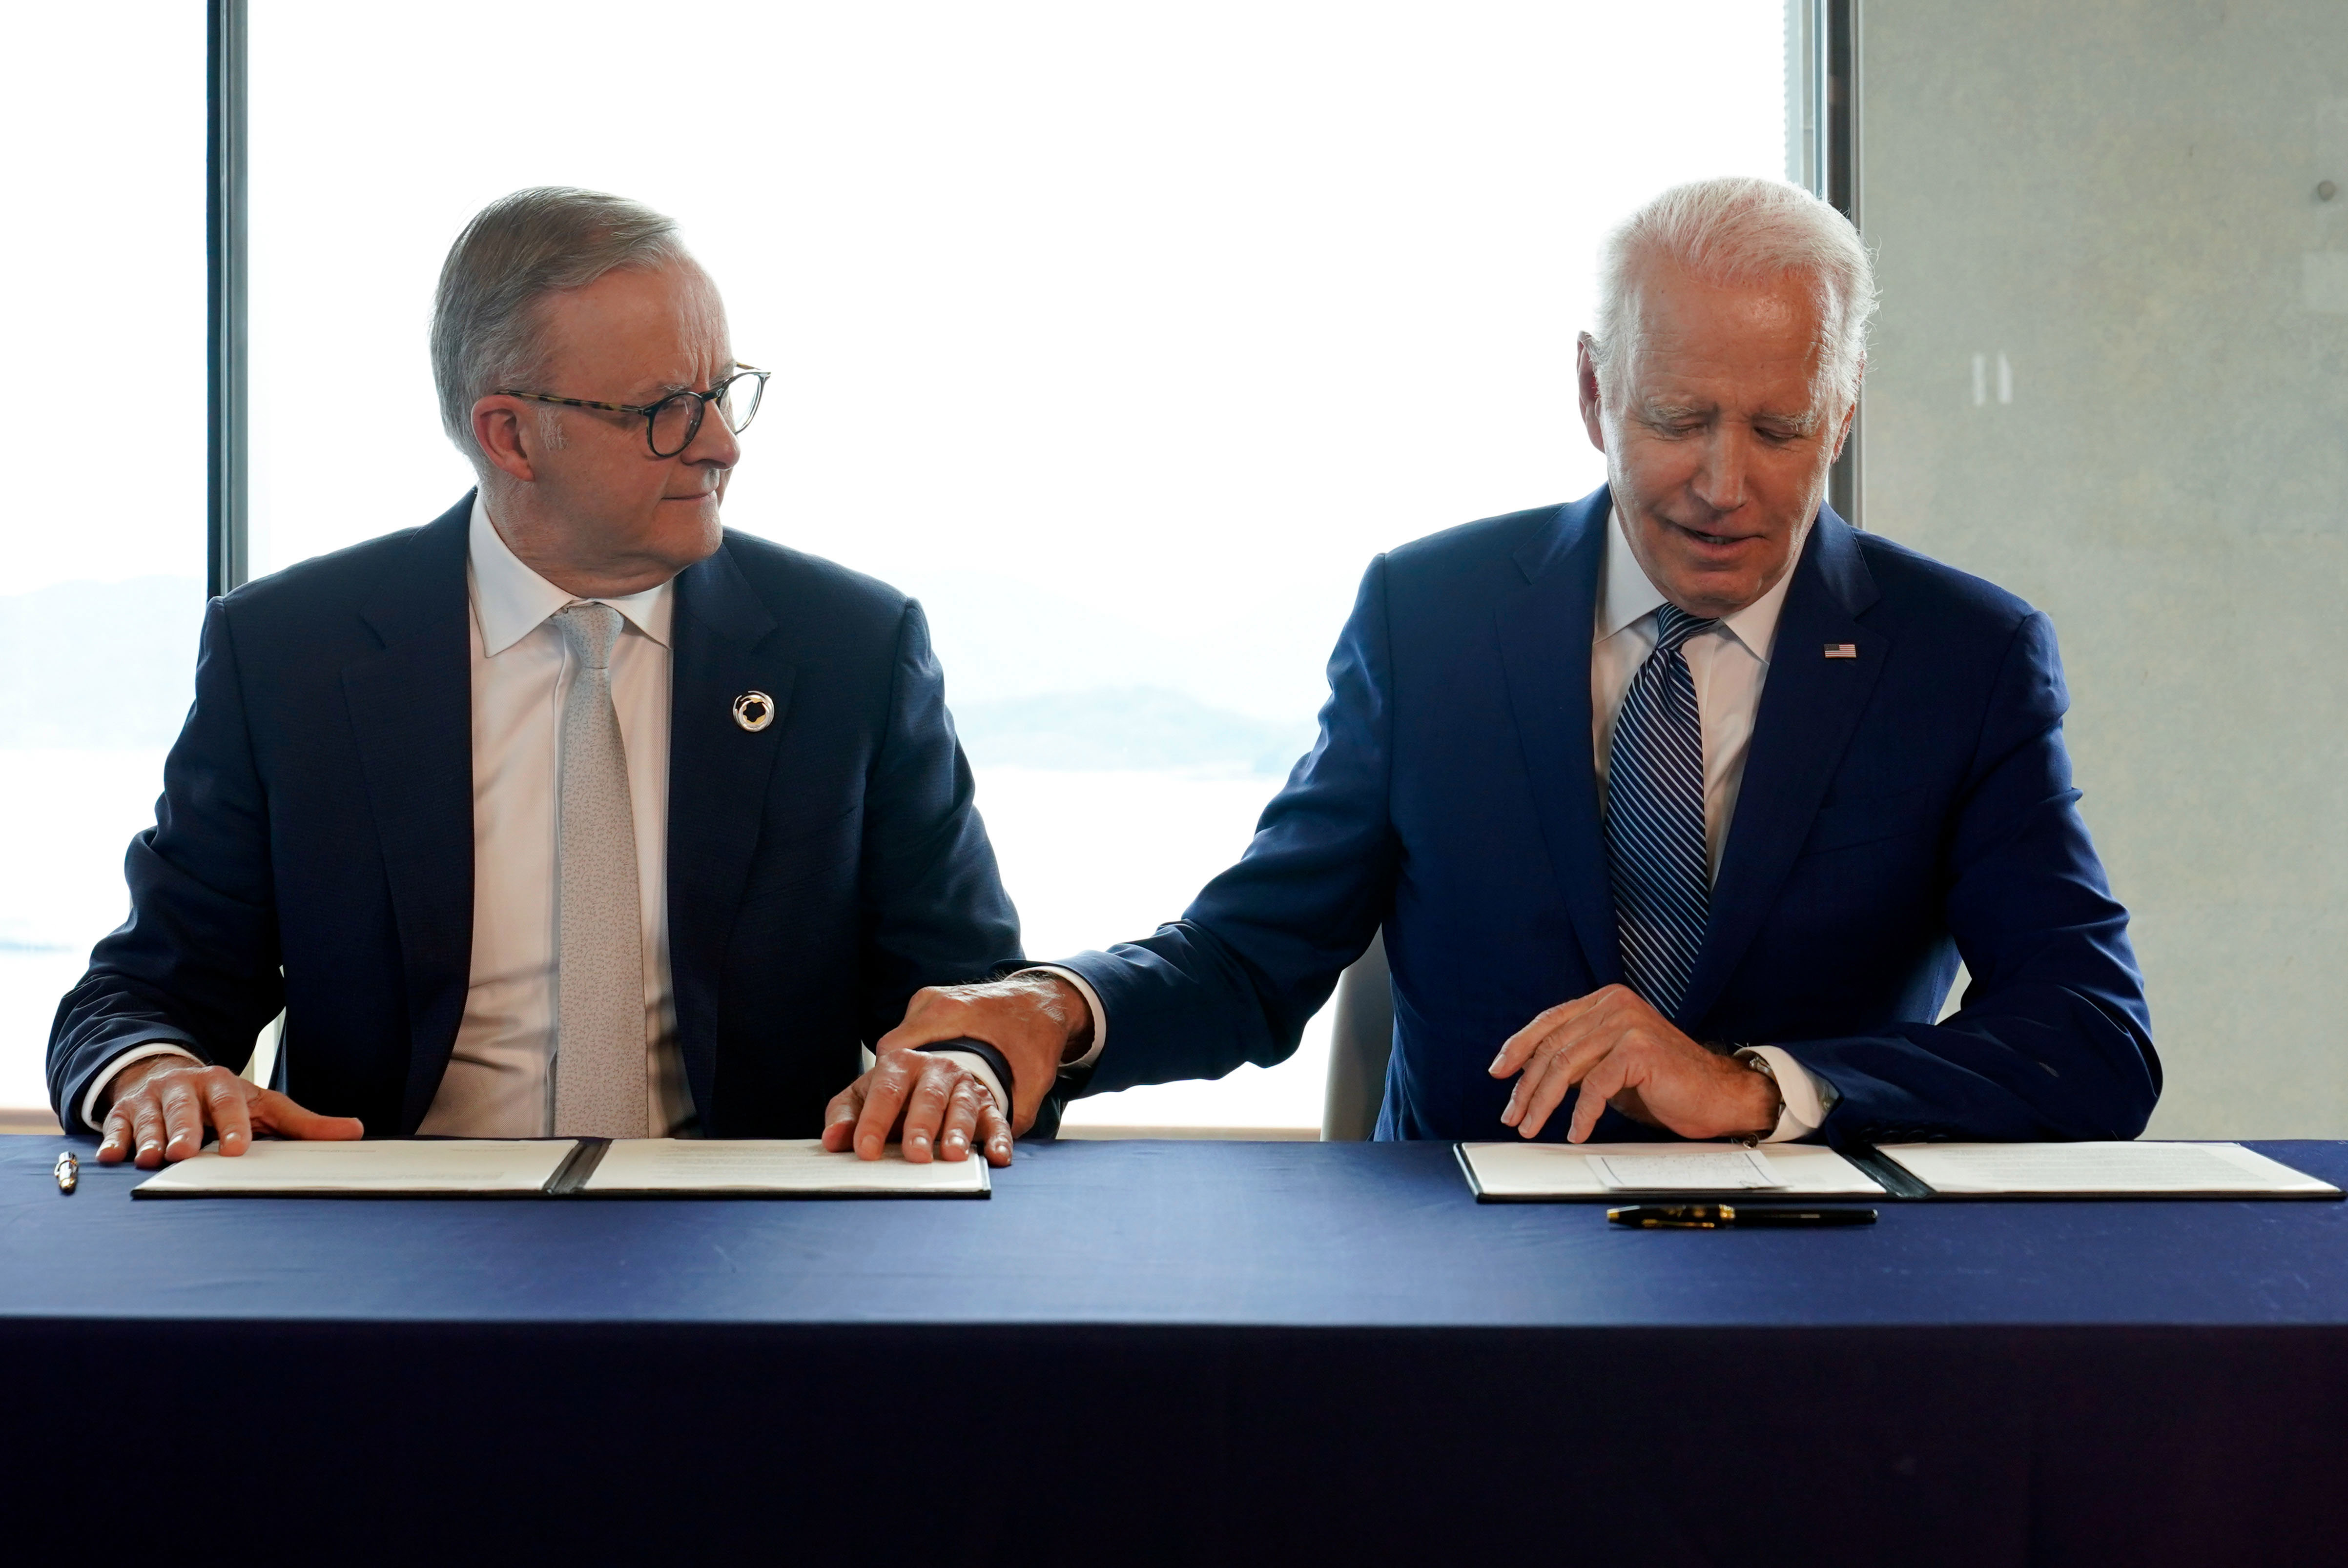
[1581,1172]
[2131,1170]
[562,1168]
[1519,1172]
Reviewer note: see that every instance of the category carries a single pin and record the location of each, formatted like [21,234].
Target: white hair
[1735,230]
[487,331]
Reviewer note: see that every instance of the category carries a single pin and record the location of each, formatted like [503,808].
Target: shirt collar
[1627,594]
[511,601]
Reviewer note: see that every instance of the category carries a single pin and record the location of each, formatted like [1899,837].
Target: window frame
[228,533]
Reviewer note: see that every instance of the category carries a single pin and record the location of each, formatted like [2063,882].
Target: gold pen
[1725,1217]
[68,1173]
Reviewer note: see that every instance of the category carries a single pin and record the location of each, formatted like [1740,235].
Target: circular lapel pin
[754,711]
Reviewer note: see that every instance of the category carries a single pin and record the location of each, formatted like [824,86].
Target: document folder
[1527,1173]
[2093,1169]
[562,1168]
[1513,1172]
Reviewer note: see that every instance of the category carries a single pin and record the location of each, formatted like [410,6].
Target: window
[1122,336]
[99,613]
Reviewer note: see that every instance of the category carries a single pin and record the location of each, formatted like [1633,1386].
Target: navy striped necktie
[1654,818]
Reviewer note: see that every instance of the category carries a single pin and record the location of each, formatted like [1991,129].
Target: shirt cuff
[1092,1000]
[136,1053]
[1805,1097]
[978,1067]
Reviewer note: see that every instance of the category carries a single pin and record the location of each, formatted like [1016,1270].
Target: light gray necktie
[599,1031]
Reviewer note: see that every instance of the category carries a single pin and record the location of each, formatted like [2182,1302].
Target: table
[1173,1352]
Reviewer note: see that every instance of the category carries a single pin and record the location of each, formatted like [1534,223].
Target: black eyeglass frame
[650,411]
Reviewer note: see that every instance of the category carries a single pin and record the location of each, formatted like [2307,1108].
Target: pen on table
[68,1172]
[1722,1216]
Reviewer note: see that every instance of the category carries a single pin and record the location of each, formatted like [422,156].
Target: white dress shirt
[497,1084]
[1729,664]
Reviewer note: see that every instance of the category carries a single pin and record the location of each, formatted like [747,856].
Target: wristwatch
[1760,1064]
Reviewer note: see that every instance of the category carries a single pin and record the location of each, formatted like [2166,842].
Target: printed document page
[1741,1170]
[1516,1170]
[289,1168]
[2091,1170]
[781,1166]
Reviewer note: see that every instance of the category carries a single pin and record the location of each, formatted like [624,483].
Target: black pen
[1721,1216]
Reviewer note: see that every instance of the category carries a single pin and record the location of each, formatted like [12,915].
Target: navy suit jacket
[1900,809]
[317,816]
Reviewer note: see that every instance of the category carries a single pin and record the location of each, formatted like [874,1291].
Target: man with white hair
[570,813]
[1678,805]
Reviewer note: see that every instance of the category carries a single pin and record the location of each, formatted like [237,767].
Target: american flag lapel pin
[1842,650]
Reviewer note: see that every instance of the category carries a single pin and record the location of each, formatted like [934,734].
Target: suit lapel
[1809,706]
[1544,632]
[411,706]
[717,777]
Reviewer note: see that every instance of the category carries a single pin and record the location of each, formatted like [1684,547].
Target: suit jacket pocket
[1842,824]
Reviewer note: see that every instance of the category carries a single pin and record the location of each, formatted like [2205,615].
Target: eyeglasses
[670,424]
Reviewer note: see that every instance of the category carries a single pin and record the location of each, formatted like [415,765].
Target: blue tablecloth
[1194,1352]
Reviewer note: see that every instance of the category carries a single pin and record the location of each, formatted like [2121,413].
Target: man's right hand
[1038,1020]
[161,1106]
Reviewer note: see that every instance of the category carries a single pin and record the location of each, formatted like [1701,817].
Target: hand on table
[1625,1054]
[1036,1021]
[936,1108]
[163,1105]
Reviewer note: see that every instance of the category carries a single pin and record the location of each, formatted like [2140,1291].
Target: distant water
[1096,858]
[1109,808]
[70,812]
[99,665]
[1126,729]
[94,679]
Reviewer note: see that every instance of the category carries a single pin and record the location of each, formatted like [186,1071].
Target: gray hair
[1735,230]
[486,330]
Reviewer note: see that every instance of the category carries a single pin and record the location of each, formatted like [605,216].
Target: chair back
[1358,1048]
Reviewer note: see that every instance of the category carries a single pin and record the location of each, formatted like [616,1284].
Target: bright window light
[1121,336]
[104,273]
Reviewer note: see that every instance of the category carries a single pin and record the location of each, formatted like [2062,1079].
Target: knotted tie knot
[590,629]
[1675,626]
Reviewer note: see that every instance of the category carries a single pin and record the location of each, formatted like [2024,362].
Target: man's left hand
[1625,1053]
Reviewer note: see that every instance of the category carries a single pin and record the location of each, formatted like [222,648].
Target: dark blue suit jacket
[1898,810]
[317,815]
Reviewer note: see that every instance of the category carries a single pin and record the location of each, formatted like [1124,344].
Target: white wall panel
[2112,375]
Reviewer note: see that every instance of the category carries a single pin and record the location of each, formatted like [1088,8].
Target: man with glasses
[570,813]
